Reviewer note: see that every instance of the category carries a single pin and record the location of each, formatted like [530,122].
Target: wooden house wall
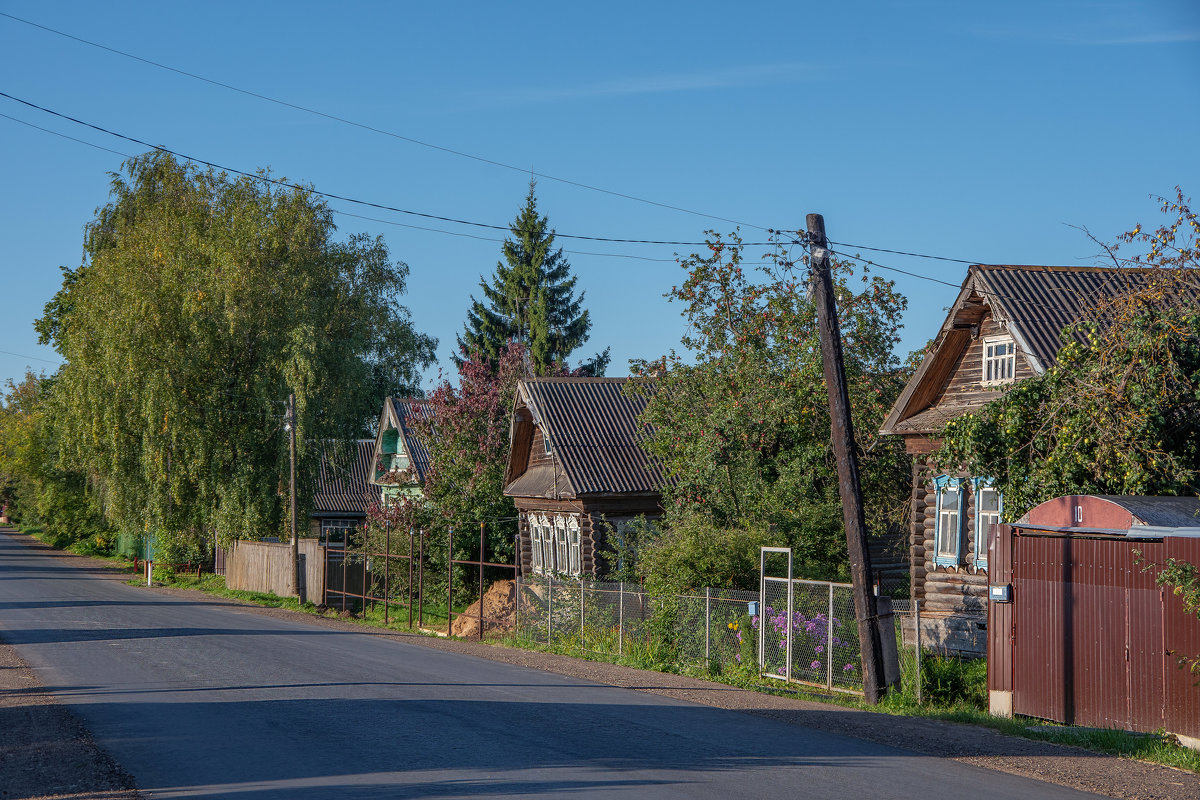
[965,384]
[953,599]
[593,513]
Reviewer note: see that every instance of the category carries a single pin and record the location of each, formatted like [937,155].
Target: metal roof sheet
[1042,301]
[343,480]
[593,428]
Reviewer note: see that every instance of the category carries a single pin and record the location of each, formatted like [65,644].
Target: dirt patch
[45,751]
[499,612]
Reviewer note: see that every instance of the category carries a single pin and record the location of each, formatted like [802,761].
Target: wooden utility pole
[291,426]
[842,437]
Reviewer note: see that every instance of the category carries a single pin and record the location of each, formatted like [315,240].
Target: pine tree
[531,299]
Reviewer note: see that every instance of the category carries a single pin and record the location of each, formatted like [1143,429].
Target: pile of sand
[499,612]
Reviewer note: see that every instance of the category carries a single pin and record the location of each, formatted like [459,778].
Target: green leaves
[1119,413]
[742,423]
[201,303]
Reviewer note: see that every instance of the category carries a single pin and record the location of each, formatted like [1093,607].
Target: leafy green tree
[36,490]
[531,299]
[1119,413]
[202,301]
[742,421]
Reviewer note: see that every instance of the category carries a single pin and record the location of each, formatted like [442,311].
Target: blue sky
[976,131]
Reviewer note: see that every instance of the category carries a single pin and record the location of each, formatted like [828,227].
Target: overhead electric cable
[35,358]
[373,129]
[332,196]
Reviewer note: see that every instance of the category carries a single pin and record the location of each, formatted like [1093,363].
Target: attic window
[999,360]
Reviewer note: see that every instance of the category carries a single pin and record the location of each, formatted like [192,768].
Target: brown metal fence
[1089,638]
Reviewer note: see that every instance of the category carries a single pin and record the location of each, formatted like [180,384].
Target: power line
[373,129]
[343,198]
[902,253]
[35,358]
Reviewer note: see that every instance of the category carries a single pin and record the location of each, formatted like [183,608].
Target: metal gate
[806,632]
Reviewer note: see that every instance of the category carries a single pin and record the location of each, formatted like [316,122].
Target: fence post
[421,578]
[345,555]
[787,671]
[621,620]
[481,560]
[707,624]
[829,643]
[410,560]
[449,581]
[550,608]
[582,641]
[917,642]
[387,563]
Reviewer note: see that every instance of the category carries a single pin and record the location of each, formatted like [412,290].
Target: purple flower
[848,668]
[815,665]
[820,649]
[738,634]
[738,656]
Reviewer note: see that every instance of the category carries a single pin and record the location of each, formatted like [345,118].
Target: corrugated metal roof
[1035,303]
[594,430]
[407,408]
[343,480]
[1041,301]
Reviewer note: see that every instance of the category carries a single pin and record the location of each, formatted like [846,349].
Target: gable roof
[1033,303]
[398,414]
[343,479]
[594,433]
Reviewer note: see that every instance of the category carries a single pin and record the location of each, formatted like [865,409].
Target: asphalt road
[202,699]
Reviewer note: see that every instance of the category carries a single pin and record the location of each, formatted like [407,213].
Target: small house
[1004,327]
[400,460]
[343,492]
[576,470]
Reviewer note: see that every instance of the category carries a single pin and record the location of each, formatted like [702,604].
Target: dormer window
[999,360]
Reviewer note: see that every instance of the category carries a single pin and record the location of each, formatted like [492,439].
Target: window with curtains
[988,506]
[948,531]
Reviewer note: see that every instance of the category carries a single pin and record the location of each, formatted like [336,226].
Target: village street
[208,699]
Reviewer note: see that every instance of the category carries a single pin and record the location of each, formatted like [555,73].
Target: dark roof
[1035,304]
[594,432]
[343,480]
[1041,301]
[406,409]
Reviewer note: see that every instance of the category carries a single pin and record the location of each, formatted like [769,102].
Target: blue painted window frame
[941,484]
[977,484]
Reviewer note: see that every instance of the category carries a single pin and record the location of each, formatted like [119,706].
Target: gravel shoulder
[52,753]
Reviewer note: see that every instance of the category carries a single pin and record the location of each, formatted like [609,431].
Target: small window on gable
[988,505]
[999,360]
[948,522]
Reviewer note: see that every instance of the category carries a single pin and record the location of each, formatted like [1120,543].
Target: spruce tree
[530,299]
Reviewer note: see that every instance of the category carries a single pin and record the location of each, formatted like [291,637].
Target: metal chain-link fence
[717,630]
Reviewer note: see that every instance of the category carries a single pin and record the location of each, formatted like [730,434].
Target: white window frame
[535,543]
[946,516]
[998,369]
[574,551]
[555,542]
[982,522]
